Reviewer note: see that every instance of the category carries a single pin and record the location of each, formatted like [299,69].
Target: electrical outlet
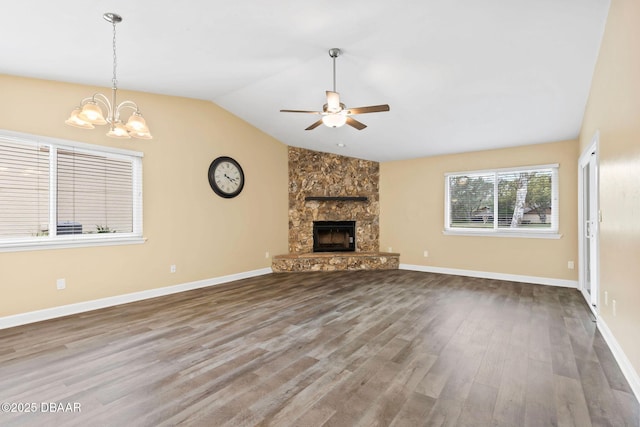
[61,284]
[615,312]
[571,265]
[426,254]
[172,268]
[266,255]
[390,249]
[606,298]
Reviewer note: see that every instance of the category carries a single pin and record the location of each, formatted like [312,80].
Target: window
[64,193]
[510,202]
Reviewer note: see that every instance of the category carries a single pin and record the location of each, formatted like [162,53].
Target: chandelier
[90,111]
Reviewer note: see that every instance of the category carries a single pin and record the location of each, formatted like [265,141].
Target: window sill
[70,243]
[493,233]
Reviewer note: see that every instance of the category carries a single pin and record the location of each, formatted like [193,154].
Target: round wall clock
[226,177]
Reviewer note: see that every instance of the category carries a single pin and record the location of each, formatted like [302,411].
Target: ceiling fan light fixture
[334,120]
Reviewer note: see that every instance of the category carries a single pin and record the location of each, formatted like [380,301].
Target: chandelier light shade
[75,120]
[91,111]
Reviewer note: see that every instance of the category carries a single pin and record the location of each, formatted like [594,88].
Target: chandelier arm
[125,104]
[103,100]
[128,104]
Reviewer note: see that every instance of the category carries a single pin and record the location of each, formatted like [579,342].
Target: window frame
[55,241]
[550,233]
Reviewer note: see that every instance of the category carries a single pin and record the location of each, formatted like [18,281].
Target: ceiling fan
[334,113]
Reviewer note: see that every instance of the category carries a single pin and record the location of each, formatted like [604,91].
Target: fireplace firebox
[334,236]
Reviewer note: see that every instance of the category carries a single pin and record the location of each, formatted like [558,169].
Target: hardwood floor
[366,348]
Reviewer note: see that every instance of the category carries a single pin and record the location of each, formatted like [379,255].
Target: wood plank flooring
[369,348]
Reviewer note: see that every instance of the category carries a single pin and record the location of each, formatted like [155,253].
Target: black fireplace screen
[334,236]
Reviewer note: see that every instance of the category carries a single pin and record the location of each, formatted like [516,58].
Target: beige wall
[412,215]
[185,223]
[614,109]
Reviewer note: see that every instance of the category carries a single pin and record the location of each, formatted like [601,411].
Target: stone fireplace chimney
[329,187]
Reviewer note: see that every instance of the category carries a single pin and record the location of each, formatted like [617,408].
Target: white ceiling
[460,75]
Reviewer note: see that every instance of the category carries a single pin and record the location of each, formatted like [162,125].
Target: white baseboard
[489,275]
[625,364]
[81,307]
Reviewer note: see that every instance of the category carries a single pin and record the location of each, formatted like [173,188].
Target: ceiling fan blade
[333,102]
[369,109]
[354,123]
[301,111]
[315,125]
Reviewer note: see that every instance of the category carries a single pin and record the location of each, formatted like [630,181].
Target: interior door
[590,224]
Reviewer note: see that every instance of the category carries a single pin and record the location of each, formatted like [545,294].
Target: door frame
[592,299]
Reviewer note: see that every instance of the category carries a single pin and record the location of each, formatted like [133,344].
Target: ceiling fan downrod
[334,53]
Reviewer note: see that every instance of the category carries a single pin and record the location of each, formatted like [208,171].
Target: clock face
[226,177]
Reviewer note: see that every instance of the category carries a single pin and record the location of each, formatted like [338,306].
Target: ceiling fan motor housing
[326,108]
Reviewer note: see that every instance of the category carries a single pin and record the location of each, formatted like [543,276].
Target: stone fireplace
[328,187]
[330,190]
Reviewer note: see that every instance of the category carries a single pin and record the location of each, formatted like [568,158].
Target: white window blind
[24,190]
[94,194]
[523,200]
[54,191]
[471,200]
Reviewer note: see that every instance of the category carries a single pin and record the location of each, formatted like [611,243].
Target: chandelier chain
[115,58]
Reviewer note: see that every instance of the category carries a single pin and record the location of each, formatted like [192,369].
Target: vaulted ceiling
[459,76]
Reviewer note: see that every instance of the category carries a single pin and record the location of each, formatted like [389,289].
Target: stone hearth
[335,261]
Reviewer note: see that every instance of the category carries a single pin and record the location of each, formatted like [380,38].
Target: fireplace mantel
[337,198]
